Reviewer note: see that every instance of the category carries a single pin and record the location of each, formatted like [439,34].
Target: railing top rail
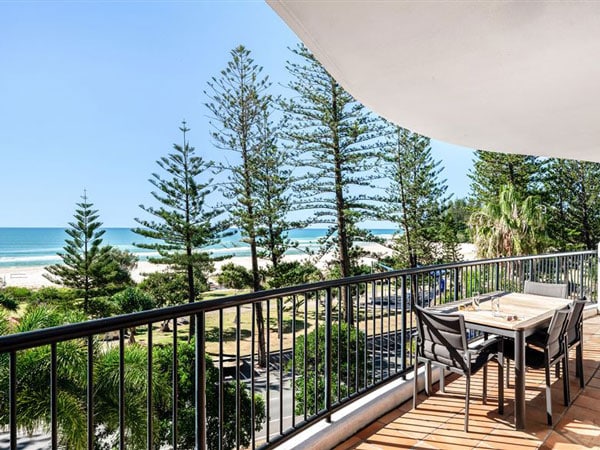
[20,341]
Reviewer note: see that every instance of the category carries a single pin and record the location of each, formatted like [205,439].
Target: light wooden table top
[529,310]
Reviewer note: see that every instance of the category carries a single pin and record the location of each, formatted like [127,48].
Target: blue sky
[92,94]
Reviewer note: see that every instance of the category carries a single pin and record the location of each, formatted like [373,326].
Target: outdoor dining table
[520,315]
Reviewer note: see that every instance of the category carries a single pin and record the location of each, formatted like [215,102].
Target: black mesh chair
[546,289]
[551,350]
[442,341]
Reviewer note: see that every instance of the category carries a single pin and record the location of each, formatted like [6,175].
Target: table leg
[519,380]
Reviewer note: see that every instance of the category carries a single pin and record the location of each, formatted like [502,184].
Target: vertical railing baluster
[200,382]
[381,322]
[252,380]
[293,358]
[122,389]
[149,393]
[404,311]
[357,342]
[396,324]
[581,275]
[175,386]
[456,285]
[12,399]
[238,387]
[280,333]
[53,405]
[366,337]
[328,336]
[221,393]
[317,361]
[90,392]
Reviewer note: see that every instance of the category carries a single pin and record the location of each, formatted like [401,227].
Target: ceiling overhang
[514,77]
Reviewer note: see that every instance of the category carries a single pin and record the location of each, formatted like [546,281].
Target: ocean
[39,246]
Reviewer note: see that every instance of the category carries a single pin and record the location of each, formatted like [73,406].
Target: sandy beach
[33,276]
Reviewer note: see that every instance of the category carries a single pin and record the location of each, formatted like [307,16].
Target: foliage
[334,138]
[132,300]
[8,302]
[85,261]
[167,288]
[234,276]
[492,171]
[273,184]
[414,199]
[240,107]
[183,224]
[33,378]
[20,294]
[508,226]
[293,273]
[345,377]
[572,189]
[185,399]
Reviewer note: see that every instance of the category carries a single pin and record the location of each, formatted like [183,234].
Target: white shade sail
[514,77]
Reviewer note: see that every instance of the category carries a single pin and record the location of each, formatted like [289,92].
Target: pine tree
[572,194]
[239,104]
[84,260]
[183,225]
[492,171]
[335,139]
[273,193]
[415,196]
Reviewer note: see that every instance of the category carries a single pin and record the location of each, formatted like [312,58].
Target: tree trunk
[260,319]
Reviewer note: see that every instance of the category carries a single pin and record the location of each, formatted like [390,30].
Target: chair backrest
[574,323]
[556,332]
[442,338]
[546,289]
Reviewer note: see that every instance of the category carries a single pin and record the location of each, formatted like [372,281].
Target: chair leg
[507,372]
[566,387]
[557,370]
[548,396]
[579,364]
[485,384]
[442,380]
[415,380]
[428,389]
[467,395]
[501,384]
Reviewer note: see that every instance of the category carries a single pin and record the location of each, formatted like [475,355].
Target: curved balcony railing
[325,345]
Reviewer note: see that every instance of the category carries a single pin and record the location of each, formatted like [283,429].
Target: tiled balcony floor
[437,423]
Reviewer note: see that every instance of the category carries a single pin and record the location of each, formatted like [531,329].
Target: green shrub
[344,376]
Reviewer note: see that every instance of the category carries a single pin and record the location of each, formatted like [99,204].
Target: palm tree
[508,226]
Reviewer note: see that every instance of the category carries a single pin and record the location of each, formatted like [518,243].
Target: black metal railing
[325,345]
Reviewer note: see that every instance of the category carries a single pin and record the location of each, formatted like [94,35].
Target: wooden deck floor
[437,423]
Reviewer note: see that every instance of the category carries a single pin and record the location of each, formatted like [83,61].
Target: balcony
[438,421]
[336,357]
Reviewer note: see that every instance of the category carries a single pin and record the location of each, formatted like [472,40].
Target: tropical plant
[508,226]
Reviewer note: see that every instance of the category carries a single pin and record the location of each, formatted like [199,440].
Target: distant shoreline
[33,276]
